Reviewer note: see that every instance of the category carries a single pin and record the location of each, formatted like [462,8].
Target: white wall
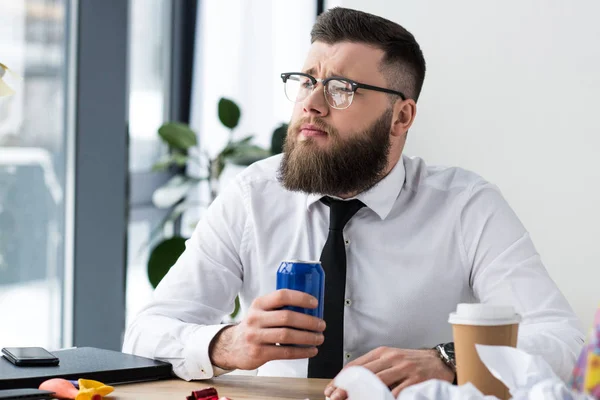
[513,93]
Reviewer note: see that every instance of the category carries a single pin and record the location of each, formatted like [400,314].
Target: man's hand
[252,342]
[398,369]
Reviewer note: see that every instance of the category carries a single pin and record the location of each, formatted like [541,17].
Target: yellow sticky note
[5,90]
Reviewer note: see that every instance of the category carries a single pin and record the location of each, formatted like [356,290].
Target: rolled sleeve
[199,365]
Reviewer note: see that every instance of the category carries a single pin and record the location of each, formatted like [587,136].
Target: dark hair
[403,63]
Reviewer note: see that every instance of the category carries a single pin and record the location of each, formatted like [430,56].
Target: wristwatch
[446,353]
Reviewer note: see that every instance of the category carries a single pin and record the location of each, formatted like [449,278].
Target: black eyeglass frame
[355,85]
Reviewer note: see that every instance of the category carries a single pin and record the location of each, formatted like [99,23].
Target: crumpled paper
[360,383]
[527,377]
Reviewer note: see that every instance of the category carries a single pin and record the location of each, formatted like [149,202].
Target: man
[417,241]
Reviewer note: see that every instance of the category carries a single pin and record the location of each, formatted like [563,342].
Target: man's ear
[404,115]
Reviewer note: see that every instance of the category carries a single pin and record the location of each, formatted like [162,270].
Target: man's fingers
[364,359]
[290,336]
[273,352]
[389,377]
[285,297]
[396,391]
[378,365]
[370,360]
[339,394]
[292,319]
[329,389]
[394,375]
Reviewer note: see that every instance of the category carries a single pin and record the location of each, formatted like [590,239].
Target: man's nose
[315,103]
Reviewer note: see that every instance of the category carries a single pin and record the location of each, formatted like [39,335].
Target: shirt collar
[381,197]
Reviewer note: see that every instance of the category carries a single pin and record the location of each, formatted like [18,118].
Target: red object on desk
[206,394]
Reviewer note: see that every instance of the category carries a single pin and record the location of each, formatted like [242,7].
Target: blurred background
[89,188]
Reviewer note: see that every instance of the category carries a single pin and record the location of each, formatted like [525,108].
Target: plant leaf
[171,216]
[278,139]
[229,113]
[162,258]
[179,159]
[247,154]
[176,158]
[228,150]
[178,136]
[218,166]
[172,192]
[161,165]
[245,140]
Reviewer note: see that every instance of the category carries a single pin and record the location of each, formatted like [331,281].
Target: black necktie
[329,361]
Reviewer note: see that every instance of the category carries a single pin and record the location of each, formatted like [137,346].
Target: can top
[301,261]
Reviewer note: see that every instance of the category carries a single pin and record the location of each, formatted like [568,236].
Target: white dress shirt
[428,239]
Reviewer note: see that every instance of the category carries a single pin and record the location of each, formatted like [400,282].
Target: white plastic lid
[484,314]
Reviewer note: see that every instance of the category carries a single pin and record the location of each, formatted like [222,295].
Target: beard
[345,166]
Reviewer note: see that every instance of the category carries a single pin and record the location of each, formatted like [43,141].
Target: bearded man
[412,240]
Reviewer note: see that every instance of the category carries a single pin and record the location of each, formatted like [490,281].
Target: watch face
[449,347]
[446,351]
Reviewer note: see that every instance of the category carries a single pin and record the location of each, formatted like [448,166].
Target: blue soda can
[304,276]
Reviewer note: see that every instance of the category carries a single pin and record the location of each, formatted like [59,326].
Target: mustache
[319,123]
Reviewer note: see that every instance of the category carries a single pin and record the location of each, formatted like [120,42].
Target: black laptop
[106,366]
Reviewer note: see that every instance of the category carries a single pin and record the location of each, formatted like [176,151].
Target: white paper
[360,383]
[518,370]
[438,390]
[527,377]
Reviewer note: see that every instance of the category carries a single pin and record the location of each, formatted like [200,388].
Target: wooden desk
[234,387]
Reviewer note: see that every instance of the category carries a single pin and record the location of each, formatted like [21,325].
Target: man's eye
[344,90]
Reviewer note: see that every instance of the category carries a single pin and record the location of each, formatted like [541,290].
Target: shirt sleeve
[198,291]
[505,268]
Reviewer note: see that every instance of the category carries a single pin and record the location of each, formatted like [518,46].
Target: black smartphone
[29,356]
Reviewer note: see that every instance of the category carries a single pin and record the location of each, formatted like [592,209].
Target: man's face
[339,152]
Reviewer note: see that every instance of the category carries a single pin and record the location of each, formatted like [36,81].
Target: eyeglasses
[339,92]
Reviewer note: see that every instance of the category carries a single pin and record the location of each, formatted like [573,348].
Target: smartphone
[29,356]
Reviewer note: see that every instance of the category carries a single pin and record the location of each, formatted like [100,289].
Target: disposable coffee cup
[482,324]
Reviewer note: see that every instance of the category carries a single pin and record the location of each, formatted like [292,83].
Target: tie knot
[341,211]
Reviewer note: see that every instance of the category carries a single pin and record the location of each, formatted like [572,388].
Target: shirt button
[347,355]
[347,242]
[348,302]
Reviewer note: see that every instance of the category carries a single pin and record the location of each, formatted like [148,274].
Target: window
[149,51]
[33,142]
[149,77]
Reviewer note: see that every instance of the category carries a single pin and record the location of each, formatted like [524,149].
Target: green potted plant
[182,142]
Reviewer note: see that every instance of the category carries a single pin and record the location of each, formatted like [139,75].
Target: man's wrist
[218,350]
[445,352]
